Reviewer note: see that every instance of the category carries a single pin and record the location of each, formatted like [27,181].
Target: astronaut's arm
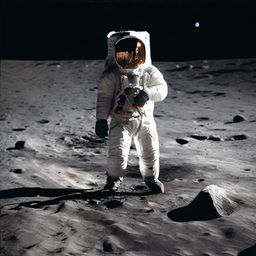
[156,88]
[105,98]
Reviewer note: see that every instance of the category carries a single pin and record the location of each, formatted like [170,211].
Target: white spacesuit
[128,89]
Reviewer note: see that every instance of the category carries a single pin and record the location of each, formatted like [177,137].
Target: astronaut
[128,89]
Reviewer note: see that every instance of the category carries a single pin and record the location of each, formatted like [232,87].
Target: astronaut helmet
[129,53]
[128,50]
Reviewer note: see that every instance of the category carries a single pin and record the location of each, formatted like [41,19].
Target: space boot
[155,185]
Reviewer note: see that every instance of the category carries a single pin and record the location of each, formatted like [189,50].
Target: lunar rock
[211,203]
[238,118]
[19,144]
[222,203]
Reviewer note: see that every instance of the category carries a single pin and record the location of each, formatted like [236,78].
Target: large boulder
[212,202]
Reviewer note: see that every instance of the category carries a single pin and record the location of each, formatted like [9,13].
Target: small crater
[198,137]
[107,246]
[18,129]
[140,188]
[39,64]
[219,94]
[93,202]
[17,171]
[158,116]
[43,121]
[229,232]
[10,238]
[179,68]
[58,250]
[59,233]
[239,137]
[181,141]
[202,76]
[30,246]
[60,207]
[113,204]
[194,92]
[202,119]
[213,138]
[227,71]
[54,64]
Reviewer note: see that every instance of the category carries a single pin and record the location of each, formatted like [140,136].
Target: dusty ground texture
[50,181]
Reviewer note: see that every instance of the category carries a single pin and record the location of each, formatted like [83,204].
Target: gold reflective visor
[130,53]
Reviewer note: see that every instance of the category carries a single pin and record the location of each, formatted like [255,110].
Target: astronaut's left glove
[140,99]
[101,128]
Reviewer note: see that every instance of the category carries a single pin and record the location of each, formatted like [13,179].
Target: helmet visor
[130,53]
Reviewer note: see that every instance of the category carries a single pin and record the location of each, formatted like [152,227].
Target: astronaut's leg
[147,145]
[119,146]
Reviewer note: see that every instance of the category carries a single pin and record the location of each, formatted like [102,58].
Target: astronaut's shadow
[60,194]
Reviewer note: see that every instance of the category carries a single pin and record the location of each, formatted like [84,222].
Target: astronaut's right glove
[101,128]
[140,99]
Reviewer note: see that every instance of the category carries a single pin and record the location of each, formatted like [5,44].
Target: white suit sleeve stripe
[105,97]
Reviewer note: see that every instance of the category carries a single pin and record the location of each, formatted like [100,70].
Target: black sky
[77,29]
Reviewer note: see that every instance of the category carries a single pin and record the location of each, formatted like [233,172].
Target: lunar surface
[53,164]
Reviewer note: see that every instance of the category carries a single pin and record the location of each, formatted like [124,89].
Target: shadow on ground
[251,251]
[60,195]
[201,208]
